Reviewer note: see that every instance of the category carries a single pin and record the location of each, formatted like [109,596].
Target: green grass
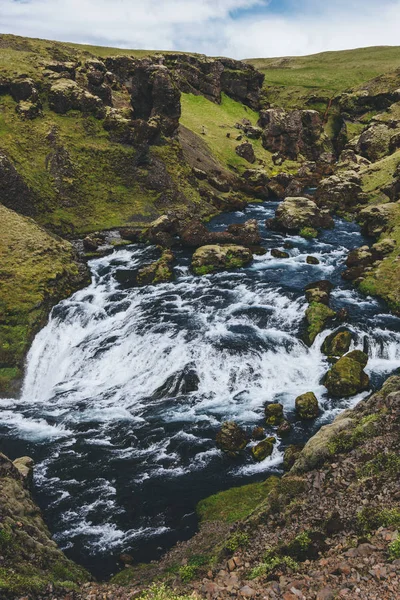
[236,503]
[218,120]
[291,81]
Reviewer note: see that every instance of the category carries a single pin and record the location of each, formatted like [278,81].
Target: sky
[235,28]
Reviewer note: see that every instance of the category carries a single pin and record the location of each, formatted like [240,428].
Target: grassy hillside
[298,81]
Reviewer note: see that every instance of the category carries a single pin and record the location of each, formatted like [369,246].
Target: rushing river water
[126,387]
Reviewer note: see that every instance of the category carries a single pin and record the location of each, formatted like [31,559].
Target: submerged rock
[347,377]
[264,449]
[307,406]
[209,259]
[231,438]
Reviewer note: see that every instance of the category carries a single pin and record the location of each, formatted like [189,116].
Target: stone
[231,438]
[318,315]
[340,192]
[246,151]
[24,89]
[274,414]
[263,449]
[208,259]
[291,133]
[279,253]
[284,428]
[247,234]
[375,142]
[307,406]
[65,95]
[374,220]
[347,377]
[159,271]
[258,434]
[28,110]
[247,592]
[290,456]
[337,343]
[296,213]
[312,260]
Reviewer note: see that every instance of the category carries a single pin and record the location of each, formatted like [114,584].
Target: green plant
[381,465]
[237,540]
[370,519]
[161,592]
[347,440]
[309,233]
[187,573]
[394,549]
[271,563]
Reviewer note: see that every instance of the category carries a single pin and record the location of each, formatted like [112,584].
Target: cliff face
[30,560]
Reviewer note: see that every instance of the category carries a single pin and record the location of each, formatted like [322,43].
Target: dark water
[126,388]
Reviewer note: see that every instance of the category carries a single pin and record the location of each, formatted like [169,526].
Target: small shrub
[187,572]
[161,592]
[394,549]
[271,563]
[370,519]
[237,540]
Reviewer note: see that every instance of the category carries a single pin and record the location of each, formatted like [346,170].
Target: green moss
[369,519]
[272,563]
[347,440]
[236,503]
[308,233]
[394,549]
[382,465]
[162,592]
[237,540]
[317,316]
[347,377]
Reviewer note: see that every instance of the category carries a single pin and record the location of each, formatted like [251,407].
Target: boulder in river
[312,260]
[158,271]
[284,428]
[258,434]
[347,377]
[337,343]
[319,291]
[274,414]
[279,253]
[307,406]
[231,438]
[317,317]
[294,214]
[209,259]
[264,449]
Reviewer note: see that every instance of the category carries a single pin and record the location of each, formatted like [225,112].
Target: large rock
[231,438]
[274,414]
[247,234]
[317,317]
[246,151]
[375,142]
[341,192]
[291,132]
[157,272]
[337,343]
[263,449]
[347,377]
[65,95]
[294,214]
[376,219]
[307,406]
[319,291]
[24,89]
[209,259]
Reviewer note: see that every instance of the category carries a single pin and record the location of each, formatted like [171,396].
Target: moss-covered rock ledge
[31,562]
[37,270]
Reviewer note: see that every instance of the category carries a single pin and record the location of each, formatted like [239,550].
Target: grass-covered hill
[300,81]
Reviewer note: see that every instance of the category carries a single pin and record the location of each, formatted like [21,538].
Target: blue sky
[237,28]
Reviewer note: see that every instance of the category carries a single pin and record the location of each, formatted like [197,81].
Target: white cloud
[207,26]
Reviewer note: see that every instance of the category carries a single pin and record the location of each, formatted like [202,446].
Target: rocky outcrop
[31,561]
[291,133]
[15,193]
[376,219]
[209,259]
[294,214]
[341,192]
[376,141]
[66,94]
[347,376]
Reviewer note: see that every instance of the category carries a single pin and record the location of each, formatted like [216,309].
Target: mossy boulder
[258,434]
[307,406]
[274,414]
[263,449]
[312,260]
[279,253]
[347,377]
[158,271]
[284,428]
[290,456]
[317,317]
[66,94]
[231,438]
[295,214]
[209,259]
[337,343]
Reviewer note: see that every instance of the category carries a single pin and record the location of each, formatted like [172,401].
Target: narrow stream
[126,387]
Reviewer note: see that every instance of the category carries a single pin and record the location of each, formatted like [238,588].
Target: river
[126,387]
